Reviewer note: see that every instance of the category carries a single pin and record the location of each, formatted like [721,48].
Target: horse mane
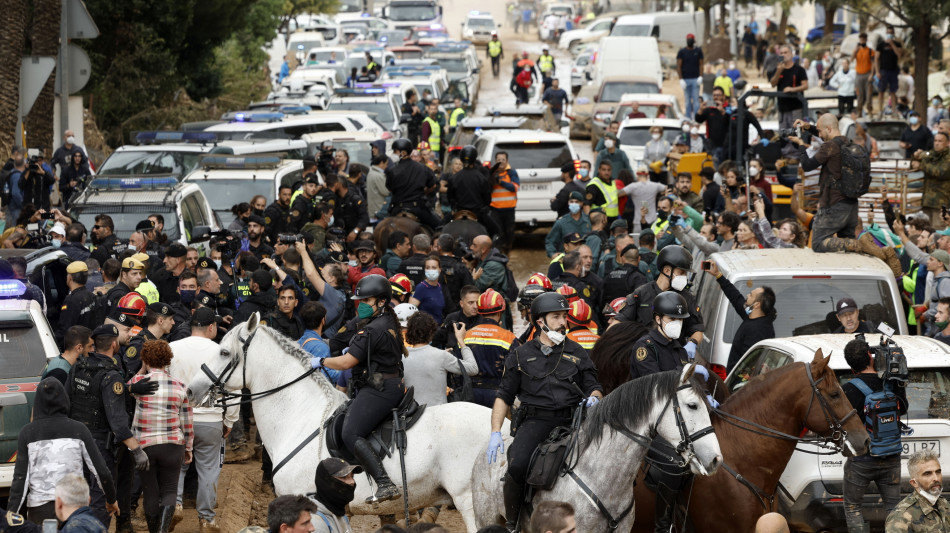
[303,357]
[629,405]
[611,354]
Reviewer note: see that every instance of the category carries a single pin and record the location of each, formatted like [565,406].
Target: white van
[669,27]
[226,180]
[628,56]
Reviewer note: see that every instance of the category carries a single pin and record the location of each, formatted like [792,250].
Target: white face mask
[70,140]
[609,143]
[686,128]
[432,275]
[678,283]
[217,263]
[656,136]
[753,171]
[694,131]
[932,498]
[673,328]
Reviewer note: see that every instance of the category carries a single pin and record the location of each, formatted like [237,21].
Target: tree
[44,40]
[292,8]
[13,18]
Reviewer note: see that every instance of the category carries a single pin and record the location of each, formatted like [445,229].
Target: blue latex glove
[315,362]
[764,142]
[691,351]
[682,223]
[702,371]
[495,446]
[592,401]
[712,401]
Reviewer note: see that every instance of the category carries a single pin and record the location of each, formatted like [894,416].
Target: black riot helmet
[675,256]
[549,302]
[528,294]
[402,145]
[468,155]
[671,304]
[373,286]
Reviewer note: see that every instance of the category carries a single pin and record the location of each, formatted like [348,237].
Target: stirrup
[384,493]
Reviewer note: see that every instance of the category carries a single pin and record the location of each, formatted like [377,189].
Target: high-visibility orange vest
[584,337]
[502,198]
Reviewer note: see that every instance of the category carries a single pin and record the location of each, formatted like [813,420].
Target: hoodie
[51,446]
[262,302]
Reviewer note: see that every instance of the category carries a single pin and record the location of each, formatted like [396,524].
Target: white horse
[612,442]
[443,445]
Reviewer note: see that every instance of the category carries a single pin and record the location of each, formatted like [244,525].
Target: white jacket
[189,354]
[844,82]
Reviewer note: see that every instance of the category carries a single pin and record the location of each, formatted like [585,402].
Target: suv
[172,152]
[537,156]
[806,285]
[228,180]
[470,128]
[478,27]
[460,67]
[130,199]
[26,341]
[379,102]
[810,490]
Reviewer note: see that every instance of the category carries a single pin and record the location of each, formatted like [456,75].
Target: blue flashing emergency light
[11,287]
[364,15]
[295,109]
[232,162]
[360,91]
[134,182]
[257,117]
[158,137]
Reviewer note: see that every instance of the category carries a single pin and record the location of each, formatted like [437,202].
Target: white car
[594,30]
[479,27]
[581,70]
[537,156]
[227,180]
[635,133]
[278,126]
[810,490]
[378,102]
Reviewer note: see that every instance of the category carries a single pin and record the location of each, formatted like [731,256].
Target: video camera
[889,359]
[785,133]
[229,243]
[325,159]
[288,238]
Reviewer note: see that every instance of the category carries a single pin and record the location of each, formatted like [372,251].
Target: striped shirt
[164,417]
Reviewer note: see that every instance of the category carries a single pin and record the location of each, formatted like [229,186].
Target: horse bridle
[686,444]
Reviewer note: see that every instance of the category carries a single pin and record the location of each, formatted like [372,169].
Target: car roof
[310,118]
[524,135]
[170,147]
[201,173]
[502,122]
[804,260]
[366,136]
[647,97]
[167,197]
[662,122]
[921,352]
[517,110]
[616,78]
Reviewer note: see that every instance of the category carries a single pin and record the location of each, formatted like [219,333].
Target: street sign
[79,25]
[79,69]
[34,71]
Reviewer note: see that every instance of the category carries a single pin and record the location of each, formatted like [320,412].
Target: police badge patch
[641,353]
[117,388]
[130,353]
[13,519]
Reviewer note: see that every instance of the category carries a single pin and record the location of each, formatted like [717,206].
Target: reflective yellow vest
[456,115]
[494,48]
[546,63]
[612,207]
[435,134]
[148,290]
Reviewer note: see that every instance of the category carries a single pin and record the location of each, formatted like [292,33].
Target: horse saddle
[381,439]
[464,214]
[549,460]
[407,214]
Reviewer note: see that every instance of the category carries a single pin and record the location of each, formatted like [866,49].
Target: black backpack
[855,170]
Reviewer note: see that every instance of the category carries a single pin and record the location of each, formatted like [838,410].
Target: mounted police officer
[659,351]
[674,264]
[375,355]
[469,189]
[551,375]
[97,395]
[409,183]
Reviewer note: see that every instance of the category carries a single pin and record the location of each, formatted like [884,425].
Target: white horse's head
[228,366]
[686,425]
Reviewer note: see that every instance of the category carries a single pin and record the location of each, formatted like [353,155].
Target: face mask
[690,42]
[364,310]
[942,325]
[70,140]
[678,283]
[56,243]
[913,120]
[694,131]
[217,263]
[932,498]
[353,263]
[331,221]
[661,214]
[728,109]
[686,128]
[935,103]
[609,143]
[555,336]
[432,275]
[732,66]
[187,296]
[673,328]
[574,208]
[748,310]
[583,171]
[259,212]
[889,36]
[656,136]
[245,219]
[753,171]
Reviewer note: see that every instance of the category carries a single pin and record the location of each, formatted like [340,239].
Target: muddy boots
[385,489]
[514,497]
[123,524]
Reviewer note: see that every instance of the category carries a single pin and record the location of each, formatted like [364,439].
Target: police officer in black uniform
[470,189]
[673,263]
[121,288]
[159,322]
[658,351]
[409,182]
[301,209]
[97,395]
[350,207]
[548,375]
[277,214]
[79,306]
[107,245]
[621,280]
[375,355]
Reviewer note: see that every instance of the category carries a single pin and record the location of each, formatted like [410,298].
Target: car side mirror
[564,123]
[200,233]
[475,70]
[596,98]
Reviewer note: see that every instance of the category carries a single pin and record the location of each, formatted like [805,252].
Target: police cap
[161,308]
[257,219]
[76,266]
[130,263]
[312,178]
[576,195]
[573,238]
[176,249]
[105,330]
[203,317]
[144,225]
[204,262]
[616,224]
[121,318]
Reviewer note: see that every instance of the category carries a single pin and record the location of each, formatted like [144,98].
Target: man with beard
[277,214]
[925,510]
[131,275]
[255,237]
[103,237]
[335,489]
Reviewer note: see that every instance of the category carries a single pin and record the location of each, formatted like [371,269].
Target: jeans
[206,454]
[691,95]
[787,118]
[839,220]
[862,87]
[858,474]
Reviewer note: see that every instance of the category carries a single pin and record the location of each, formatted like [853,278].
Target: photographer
[73,177]
[884,470]
[35,182]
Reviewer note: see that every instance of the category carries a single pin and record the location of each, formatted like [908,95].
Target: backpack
[855,170]
[881,419]
[511,286]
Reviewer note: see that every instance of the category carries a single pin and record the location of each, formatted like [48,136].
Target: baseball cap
[144,225]
[58,229]
[576,195]
[121,318]
[611,135]
[690,36]
[257,219]
[204,262]
[619,224]
[312,178]
[943,257]
[573,238]
[202,317]
[105,330]
[176,249]
[161,308]
[944,232]
[76,266]
[339,468]
[132,263]
[845,305]
[364,245]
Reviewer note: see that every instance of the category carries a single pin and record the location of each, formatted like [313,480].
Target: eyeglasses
[96,227]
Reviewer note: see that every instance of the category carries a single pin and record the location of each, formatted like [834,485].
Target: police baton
[399,423]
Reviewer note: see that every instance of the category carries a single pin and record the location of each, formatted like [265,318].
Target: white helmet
[404,311]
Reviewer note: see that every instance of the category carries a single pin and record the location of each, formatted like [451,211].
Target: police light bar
[11,287]
[368,48]
[295,109]
[238,162]
[159,137]
[257,117]
[359,91]
[134,183]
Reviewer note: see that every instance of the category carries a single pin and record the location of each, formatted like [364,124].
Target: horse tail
[611,354]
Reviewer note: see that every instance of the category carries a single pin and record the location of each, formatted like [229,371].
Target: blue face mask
[583,172]
[913,120]
[748,310]
[187,296]
[574,208]
[56,243]
[432,275]
[331,220]
[728,109]
[353,262]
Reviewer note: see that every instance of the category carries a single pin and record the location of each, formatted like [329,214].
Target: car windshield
[614,91]
[454,65]
[222,194]
[631,30]
[805,305]
[535,155]
[640,135]
[149,162]
[481,23]
[928,392]
[125,217]
[412,12]
[23,354]
[650,110]
[887,131]
[349,6]
[323,56]
[392,36]
[383,111]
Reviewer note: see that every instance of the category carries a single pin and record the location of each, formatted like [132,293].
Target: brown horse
[611,354]
[401,222]
[789,400]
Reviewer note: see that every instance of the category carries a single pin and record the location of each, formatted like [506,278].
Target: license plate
[912,446]
[534,187]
